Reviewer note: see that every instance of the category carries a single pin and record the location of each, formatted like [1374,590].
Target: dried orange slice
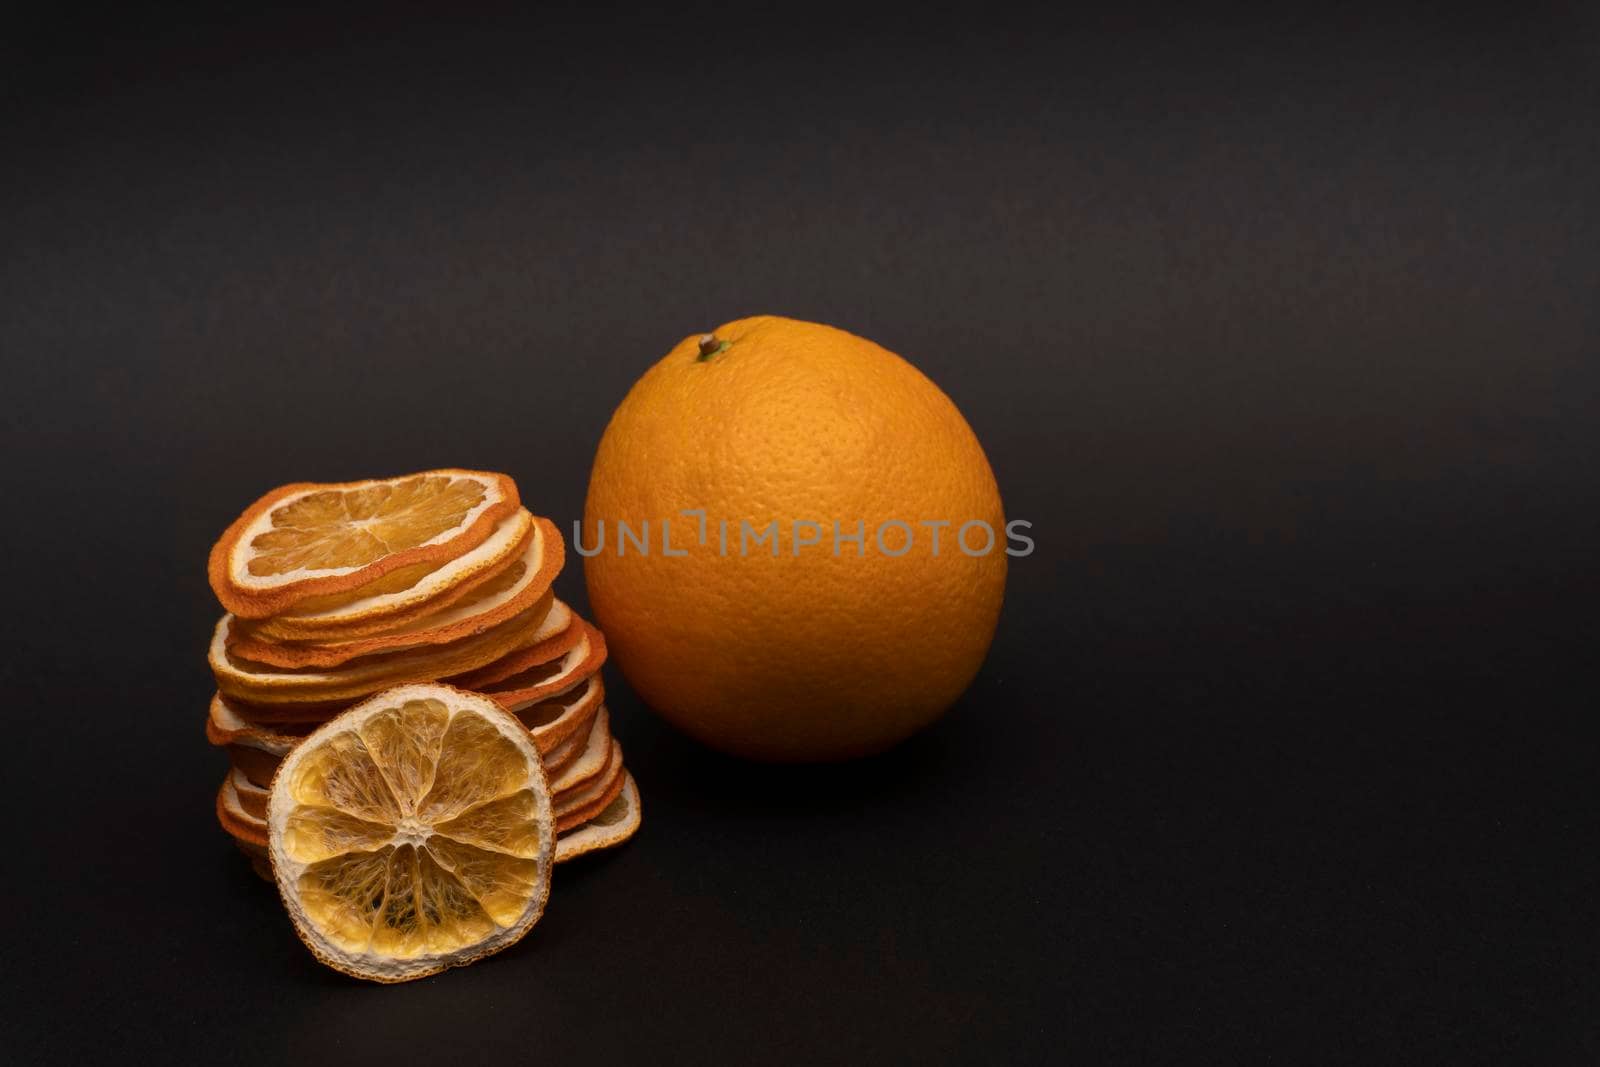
[593,753]
[560,640]
[616,822]
[591,750]
[400,598]
[226,724]
[522,691]
[412,833]
[311,539]
[254,750]
[558,718]
[513,590]
[562,755]
[584,804]
[262,684]
[239,823]
[252,797]
[248,832]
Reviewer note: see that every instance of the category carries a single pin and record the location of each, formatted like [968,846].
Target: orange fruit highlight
[804,654]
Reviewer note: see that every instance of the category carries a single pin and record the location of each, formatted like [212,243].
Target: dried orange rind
[402,597]
[262,684]
[317,539]
[412,833]
[615,823]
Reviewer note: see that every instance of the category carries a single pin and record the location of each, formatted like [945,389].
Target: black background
[1282,332]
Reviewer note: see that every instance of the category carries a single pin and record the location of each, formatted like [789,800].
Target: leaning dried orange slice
[402,597]
[310,539]
[616,822]
[412,833]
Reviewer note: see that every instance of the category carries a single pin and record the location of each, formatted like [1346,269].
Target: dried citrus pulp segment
[401,597]
[412,833]
[615,823]
[312,539]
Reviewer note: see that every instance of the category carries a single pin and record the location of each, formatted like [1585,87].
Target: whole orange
[800,641]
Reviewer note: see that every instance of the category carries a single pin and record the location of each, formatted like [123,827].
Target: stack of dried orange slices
[337,593]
